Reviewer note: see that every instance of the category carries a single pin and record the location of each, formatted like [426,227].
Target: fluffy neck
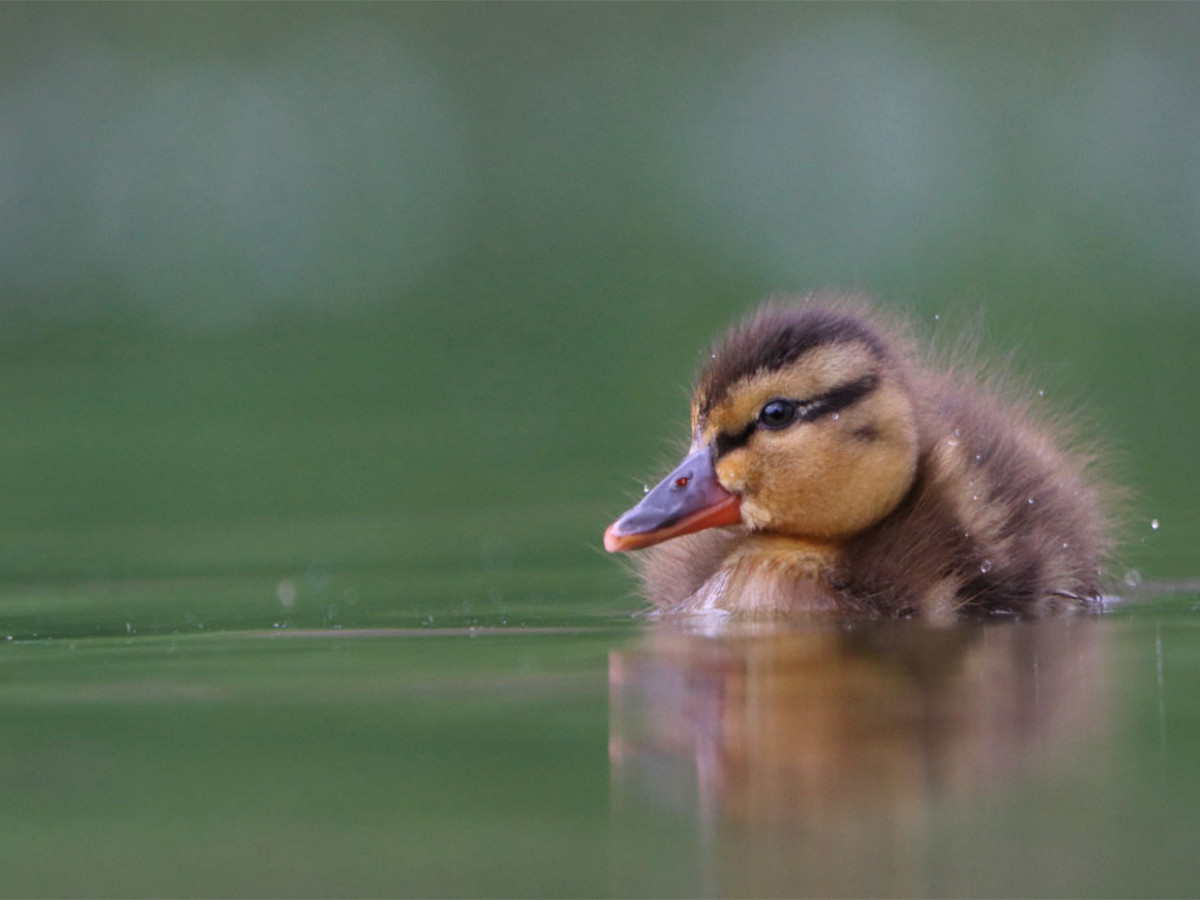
[769,575]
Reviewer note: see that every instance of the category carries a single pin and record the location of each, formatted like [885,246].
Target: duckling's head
[803,425]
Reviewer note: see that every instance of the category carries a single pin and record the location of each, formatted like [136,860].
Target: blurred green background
[424,285]
[340,315]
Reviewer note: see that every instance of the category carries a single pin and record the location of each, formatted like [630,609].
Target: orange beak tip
[612,541]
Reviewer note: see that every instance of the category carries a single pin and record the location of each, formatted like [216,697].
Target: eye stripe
[838,398]
[807,411]
[727,443]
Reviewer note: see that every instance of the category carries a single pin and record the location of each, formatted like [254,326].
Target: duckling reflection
[839,730]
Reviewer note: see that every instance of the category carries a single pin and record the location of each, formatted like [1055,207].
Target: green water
[1043,758]
[331,337]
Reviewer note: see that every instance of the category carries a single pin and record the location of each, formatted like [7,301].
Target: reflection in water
[809,757]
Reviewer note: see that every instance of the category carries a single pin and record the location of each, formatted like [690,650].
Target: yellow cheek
[793,470]
[816,482]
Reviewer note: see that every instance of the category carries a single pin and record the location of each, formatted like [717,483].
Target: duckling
[830,471]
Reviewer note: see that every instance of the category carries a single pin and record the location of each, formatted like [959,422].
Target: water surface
[614,756]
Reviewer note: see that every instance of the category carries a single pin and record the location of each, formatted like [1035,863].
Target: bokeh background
[302,293]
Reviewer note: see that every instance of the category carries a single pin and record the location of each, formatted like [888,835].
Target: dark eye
[777,414]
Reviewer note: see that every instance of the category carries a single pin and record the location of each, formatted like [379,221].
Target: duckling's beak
[689,499]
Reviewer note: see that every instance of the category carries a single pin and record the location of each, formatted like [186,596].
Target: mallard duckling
[829,471]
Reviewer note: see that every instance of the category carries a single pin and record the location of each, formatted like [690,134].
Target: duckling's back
[1001,516]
